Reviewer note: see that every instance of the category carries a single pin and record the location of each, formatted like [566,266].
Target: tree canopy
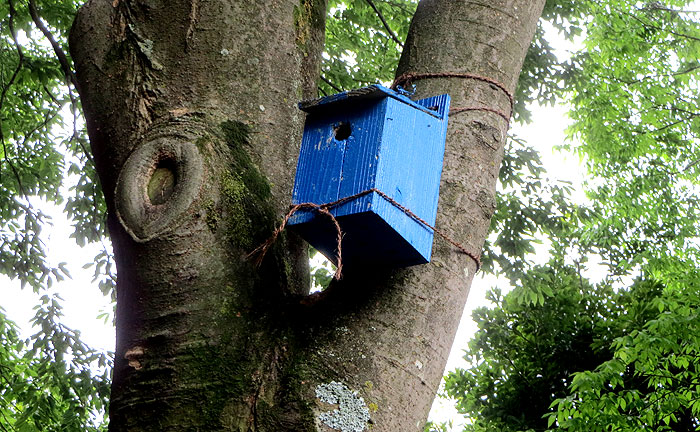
[558,351]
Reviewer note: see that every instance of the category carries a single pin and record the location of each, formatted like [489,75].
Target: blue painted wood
[371,138]
[360,96]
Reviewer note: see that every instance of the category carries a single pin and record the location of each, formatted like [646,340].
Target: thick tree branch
[386,25]
[204,108]
[60,54]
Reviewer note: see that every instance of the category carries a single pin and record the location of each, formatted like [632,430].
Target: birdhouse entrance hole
[342,131]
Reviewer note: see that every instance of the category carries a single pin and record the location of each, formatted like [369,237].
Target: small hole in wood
[433,108]
[342,131]
[162,183]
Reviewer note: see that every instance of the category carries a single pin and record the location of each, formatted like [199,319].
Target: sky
[83,302]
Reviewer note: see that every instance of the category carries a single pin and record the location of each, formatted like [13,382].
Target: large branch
[191,111]
[387,333]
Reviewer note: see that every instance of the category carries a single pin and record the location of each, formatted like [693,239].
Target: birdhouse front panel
[337,148]
[372,138]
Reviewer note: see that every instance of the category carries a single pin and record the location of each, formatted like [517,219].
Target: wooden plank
[372,138]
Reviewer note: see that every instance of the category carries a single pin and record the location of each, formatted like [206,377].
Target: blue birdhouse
[371,139]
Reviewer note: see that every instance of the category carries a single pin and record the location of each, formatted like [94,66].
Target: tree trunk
[191,110]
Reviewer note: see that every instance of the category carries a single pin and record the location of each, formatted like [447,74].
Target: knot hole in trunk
[157,186]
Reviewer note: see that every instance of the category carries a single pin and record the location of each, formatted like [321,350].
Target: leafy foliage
[42,142]
[530,207]
[634,106]
[48,383]
[528,345]
[360,49]
[650,383]
[636,120]
[51,381]
[321,270]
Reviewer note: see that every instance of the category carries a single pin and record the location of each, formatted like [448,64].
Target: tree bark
[191,110]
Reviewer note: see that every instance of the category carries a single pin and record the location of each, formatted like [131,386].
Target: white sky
[83,302]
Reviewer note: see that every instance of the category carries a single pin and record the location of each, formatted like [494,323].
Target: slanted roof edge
[375,91]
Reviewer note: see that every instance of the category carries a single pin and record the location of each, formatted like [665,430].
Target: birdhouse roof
[365,94]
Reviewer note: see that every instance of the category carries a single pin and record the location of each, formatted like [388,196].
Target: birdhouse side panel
[410,167]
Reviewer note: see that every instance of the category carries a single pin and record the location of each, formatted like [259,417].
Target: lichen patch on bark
[350,413]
